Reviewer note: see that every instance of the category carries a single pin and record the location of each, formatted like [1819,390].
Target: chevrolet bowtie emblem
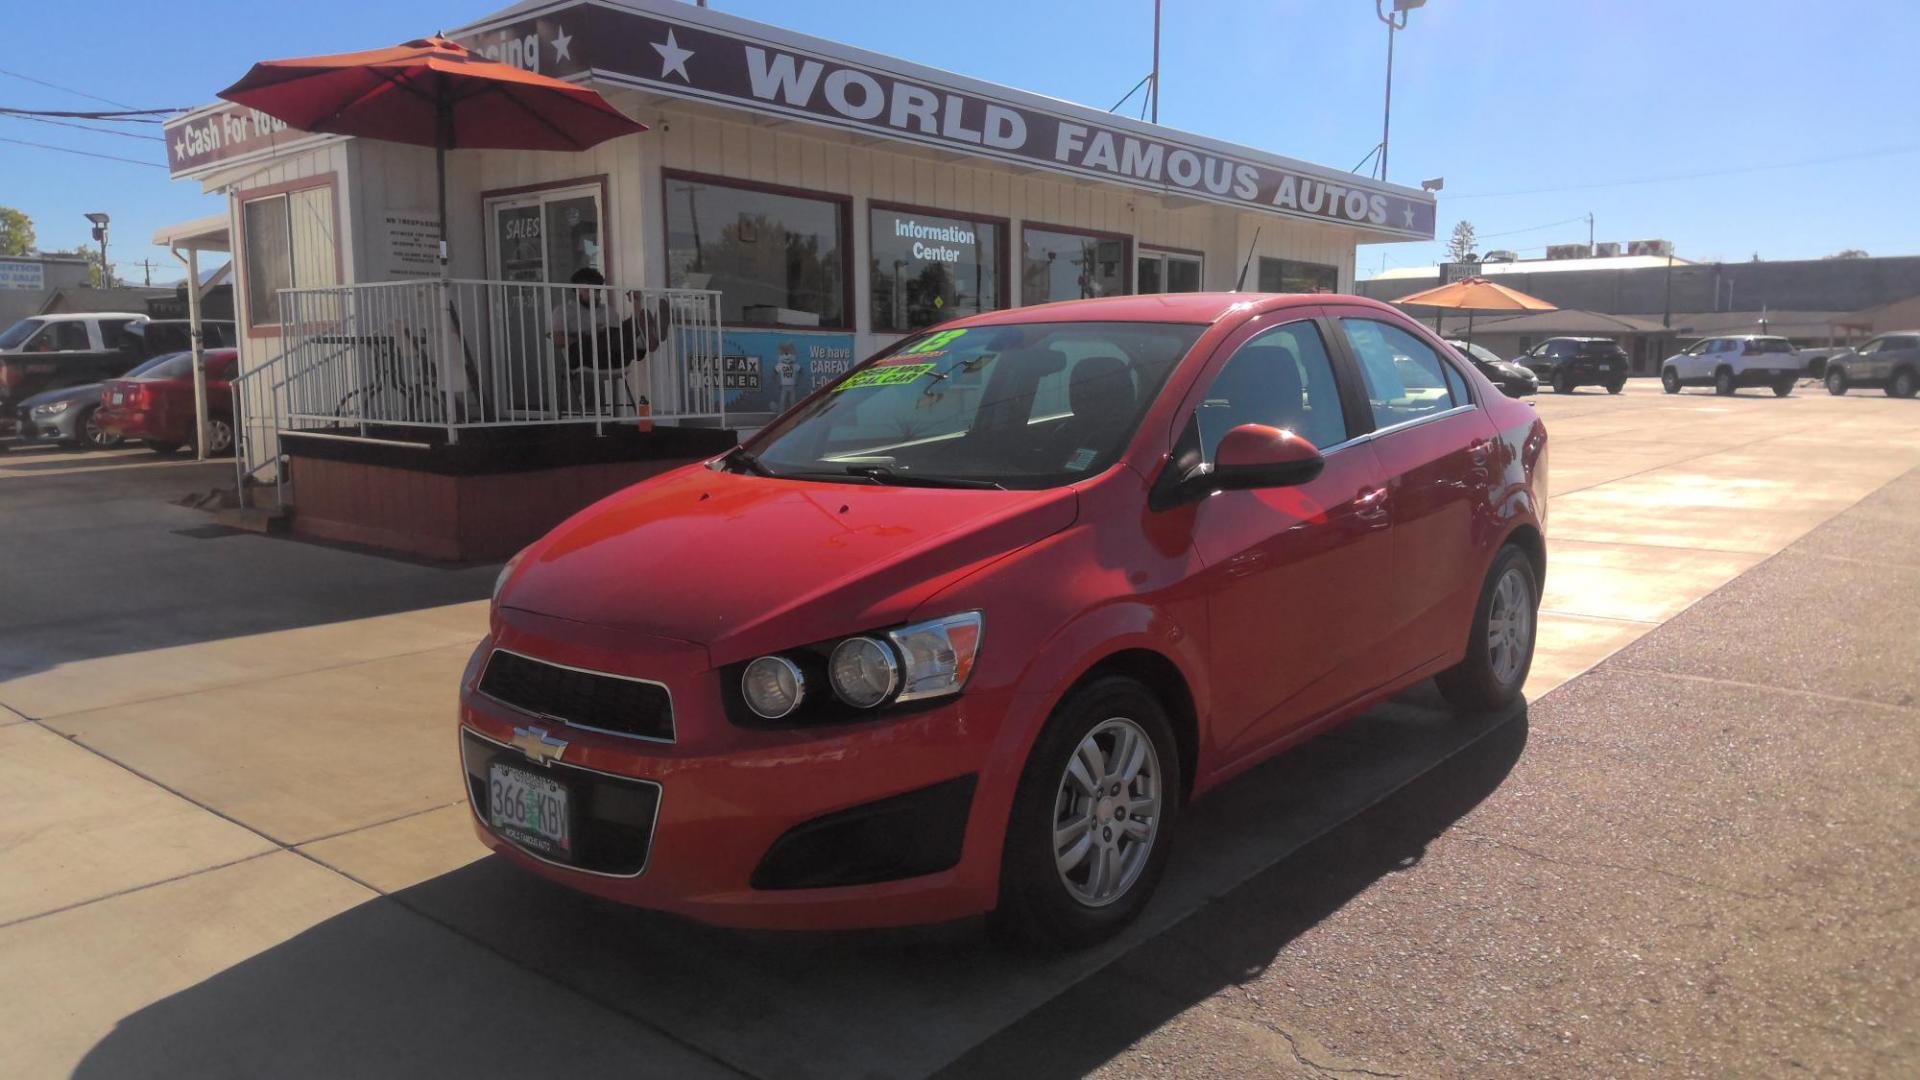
[539,746]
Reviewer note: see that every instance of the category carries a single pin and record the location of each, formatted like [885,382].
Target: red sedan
[157,407]
[964,631]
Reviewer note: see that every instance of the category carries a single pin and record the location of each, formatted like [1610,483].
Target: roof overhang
[681,51]
[201,234]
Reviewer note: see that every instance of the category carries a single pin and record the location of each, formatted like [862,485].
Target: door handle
[1371,504]
[1479,451]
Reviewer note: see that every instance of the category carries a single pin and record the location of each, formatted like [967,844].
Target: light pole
[100,233]
[1395,20]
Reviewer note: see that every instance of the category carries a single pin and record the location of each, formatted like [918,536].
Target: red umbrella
[431,92]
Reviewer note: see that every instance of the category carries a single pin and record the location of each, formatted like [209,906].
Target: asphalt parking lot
[233,841]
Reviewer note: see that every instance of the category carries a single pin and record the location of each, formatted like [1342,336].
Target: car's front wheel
[1500,644]
[1670,381]
[1088,836]
[1836,381]
[92,434]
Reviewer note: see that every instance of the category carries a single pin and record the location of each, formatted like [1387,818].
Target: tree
[92,255]
[1460,248]
[16,232]
[1850,253]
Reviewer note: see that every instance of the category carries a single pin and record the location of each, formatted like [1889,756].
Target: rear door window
[1405,379]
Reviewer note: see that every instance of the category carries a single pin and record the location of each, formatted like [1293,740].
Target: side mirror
[1257,456]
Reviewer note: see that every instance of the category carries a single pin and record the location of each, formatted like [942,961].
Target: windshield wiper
[746,461]
[886,474]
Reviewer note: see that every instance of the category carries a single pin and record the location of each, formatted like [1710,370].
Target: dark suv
[1568,362]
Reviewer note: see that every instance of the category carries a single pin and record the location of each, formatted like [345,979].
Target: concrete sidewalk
[232,835]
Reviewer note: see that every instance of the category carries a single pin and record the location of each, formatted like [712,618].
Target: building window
[1166,272]
[1292,276]
[547,235]
[778,259]
[289,244]
[1060,265]
[928,268]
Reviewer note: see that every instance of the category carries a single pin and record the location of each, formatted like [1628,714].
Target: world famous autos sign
[713,57]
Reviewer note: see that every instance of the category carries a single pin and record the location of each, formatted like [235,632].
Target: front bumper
[725,796]
[62,427]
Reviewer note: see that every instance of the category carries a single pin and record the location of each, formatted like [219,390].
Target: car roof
[1202,308]
[1898,333]
[72,316]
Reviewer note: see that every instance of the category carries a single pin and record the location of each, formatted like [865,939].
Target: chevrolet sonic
[963,631]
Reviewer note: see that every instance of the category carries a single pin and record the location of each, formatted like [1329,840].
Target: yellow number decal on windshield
[933,342]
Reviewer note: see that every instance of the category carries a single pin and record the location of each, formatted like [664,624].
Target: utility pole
[1156,61]
[1395,21]
[1589,234]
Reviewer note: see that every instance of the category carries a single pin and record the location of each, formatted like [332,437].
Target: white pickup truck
[1728,363]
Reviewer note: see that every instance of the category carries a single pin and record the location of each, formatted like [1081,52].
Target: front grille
[613,815]
[586,699]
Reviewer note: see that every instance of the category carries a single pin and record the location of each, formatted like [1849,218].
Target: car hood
[749,564]
[65,393]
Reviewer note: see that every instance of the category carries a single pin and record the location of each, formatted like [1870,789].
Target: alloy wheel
[95,436]
[1836,382]
[1670,381]
[219,436]
[1510,625]
[1903,385]
[1107,812]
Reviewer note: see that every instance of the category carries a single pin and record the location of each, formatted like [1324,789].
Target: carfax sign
[769,370]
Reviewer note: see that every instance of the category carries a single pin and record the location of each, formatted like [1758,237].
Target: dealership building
[828,199]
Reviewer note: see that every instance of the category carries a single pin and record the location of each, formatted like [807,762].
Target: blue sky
[1535,111]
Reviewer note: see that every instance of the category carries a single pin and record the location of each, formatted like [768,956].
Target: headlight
[863,672]
[773,687]
[505,573]
[52,408]
[938,655]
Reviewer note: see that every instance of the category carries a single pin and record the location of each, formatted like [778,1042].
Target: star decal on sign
[562,44]
[1408,212]
[673,58]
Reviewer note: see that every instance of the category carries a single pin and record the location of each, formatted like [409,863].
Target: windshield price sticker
[933,343]
[890,375]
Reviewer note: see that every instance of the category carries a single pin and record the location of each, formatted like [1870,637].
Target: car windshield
[18,333]
[1023,406]
[149,365]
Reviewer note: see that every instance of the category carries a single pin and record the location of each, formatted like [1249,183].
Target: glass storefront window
[1058,265]
[1167,272]
[928,268]
[288,244]
[777,259]
[1293,276]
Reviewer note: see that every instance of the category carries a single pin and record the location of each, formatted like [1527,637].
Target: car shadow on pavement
[488,967]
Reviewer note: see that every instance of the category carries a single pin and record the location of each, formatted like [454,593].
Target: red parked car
[963,631]
[157,407]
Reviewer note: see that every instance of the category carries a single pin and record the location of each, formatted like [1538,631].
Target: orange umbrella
[431,92]
[1475,294]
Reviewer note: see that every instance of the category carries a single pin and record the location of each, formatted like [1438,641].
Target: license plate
[1606,367]
[530,810]
[118,397]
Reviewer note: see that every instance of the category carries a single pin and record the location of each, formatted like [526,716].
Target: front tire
[1723,383]
[1089,832]
[1836,381]
[1670,381]
[91,435]
[1903,384]
[1500,644]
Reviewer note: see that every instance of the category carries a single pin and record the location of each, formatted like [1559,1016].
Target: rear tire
[1783,387]
[1563,384]
[1723,383]
[1903,384]
[1046,898]
[1500,644]
[1616,387]
[1836,381]
[1670,381]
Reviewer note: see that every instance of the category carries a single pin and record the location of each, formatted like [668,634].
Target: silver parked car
[1890,360]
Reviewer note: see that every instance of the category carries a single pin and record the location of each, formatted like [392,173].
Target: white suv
[1728,363]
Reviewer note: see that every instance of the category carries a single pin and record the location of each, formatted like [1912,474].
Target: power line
[1863,156]
[83,153]
[129,116]
[65,89]
[82,127]
[1530,228]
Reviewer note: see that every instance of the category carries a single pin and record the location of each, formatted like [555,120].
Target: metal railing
[401,360]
